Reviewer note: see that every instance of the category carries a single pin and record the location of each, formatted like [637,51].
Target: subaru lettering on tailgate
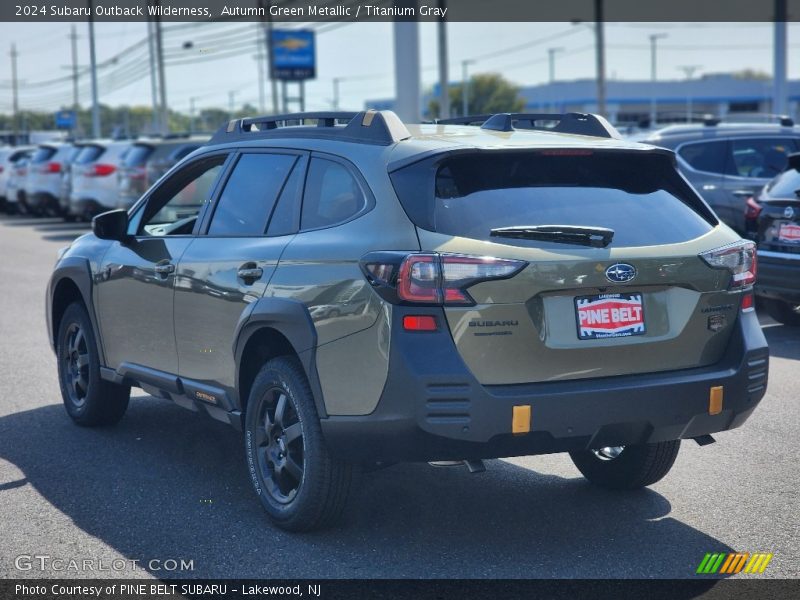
[609,315]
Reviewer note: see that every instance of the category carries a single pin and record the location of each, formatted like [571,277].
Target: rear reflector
[521,419]
[748,302]
[419,323]
[715,400]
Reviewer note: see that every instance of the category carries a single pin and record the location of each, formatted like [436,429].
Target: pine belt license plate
[610,316]
[789,232]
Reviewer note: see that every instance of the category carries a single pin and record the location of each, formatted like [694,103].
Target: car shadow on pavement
[784,341]
[168,483]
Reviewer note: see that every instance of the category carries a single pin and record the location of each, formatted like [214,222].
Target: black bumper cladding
[432,408]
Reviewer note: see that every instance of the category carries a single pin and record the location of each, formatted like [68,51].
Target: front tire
[89,400]
[300,485]
[628,467]
[783,312]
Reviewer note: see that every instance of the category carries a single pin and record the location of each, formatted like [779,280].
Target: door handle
[742,193]
[164,269]
[250,273]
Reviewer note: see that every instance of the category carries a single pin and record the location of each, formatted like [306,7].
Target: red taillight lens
[752,209]
[430,278]
[100,170]
[748,302]
[739,258]
[137,173]
[52,167]
[419,323]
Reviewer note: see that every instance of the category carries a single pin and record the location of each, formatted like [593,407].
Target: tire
[300,485]
[89,400]
[68,218]
[635,467]
[783,312]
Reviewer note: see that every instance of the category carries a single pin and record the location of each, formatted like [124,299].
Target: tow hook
[704,440]
[474,466]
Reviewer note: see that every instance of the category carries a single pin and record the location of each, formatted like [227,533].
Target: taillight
[52,167]
[739,258]
[100,170]
[137,173]
[433,278]
[752,209]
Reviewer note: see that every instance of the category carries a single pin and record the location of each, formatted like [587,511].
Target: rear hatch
[779,216]
[132,174]
[580,305]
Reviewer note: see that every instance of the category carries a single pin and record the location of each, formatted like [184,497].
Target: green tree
[487,93]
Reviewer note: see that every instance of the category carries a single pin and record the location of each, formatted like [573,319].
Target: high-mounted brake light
[433,278]
[739,258]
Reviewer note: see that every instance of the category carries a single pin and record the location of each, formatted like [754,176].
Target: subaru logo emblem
[788,213]
[620,273]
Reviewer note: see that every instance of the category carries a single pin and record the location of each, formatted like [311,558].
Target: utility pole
[14,91]
[336,82]
[654,75]
[261,92]
[600,55]
[407,67]
[779,60]
[191,114]
[73,38]
[551,55]
[265,4]
[96,130]
[153,76]
[689,70]
[162,79]
[231,102]
[444,77]
[465,87]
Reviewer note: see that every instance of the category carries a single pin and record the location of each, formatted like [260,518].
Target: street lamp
[600,54]
[465,86]
[689,70]
[551,55]
[654,75]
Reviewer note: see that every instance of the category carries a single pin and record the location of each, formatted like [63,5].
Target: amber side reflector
[521,419]
[715,400]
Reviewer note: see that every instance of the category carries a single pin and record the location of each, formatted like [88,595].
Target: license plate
[789,232]
[609,316]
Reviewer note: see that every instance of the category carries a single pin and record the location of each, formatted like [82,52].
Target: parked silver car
[93,179]
[9,155]
[15,185]
[43,182]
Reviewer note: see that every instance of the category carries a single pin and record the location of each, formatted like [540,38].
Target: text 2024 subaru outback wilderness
[350,291]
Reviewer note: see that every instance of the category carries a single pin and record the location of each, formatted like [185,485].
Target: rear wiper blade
[596,237]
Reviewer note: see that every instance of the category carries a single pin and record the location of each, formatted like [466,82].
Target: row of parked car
[77,180]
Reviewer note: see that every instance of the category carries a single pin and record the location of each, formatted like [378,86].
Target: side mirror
[111,225]
[794,161]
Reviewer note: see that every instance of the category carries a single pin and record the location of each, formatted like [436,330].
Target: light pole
[231,103]
[654,75]
[191,114]
[93,59]
[14,92]
[465,86]
[689,70]
[444,76]
[779,59]
[551,56]
[336,82]
[600,54]
[259,58]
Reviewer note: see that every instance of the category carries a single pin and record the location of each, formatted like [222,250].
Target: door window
[249,196]
[332,195]
[174,207]
[286,216]
[705,156]
[759,157]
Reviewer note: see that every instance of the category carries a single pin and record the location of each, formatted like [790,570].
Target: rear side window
[89,154]
[249,196]
[42,154]
[705,156]
[786,185]
[760,158]
[137,155]
[640,196]
[332,195]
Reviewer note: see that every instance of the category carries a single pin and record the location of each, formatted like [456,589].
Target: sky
[206,61]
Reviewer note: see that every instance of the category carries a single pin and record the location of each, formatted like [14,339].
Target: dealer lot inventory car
[524,292]
[8,156]
[727,163]
[15,184]
[43,183]
[778,238]
[93,179]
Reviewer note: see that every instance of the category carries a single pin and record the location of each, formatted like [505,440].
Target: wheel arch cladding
[71,281]
[275,327]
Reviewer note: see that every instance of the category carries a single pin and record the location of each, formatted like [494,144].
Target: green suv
[352,292]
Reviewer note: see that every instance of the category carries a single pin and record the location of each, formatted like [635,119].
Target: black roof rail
[365,127]
[782,120]
[572,123]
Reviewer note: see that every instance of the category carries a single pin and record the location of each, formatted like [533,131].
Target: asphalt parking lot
[171,484]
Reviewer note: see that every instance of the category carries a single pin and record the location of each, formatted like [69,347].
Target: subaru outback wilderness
[350,291]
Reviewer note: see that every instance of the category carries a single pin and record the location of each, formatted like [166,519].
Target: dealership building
[630,101]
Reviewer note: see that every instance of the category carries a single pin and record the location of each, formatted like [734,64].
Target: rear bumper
[778,276]
[43,201]
[80,207]
[432,408]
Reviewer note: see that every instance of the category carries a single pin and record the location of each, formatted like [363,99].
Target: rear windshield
[785,185]
[640,196]
[89,154]
[42,154]
[137,155]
